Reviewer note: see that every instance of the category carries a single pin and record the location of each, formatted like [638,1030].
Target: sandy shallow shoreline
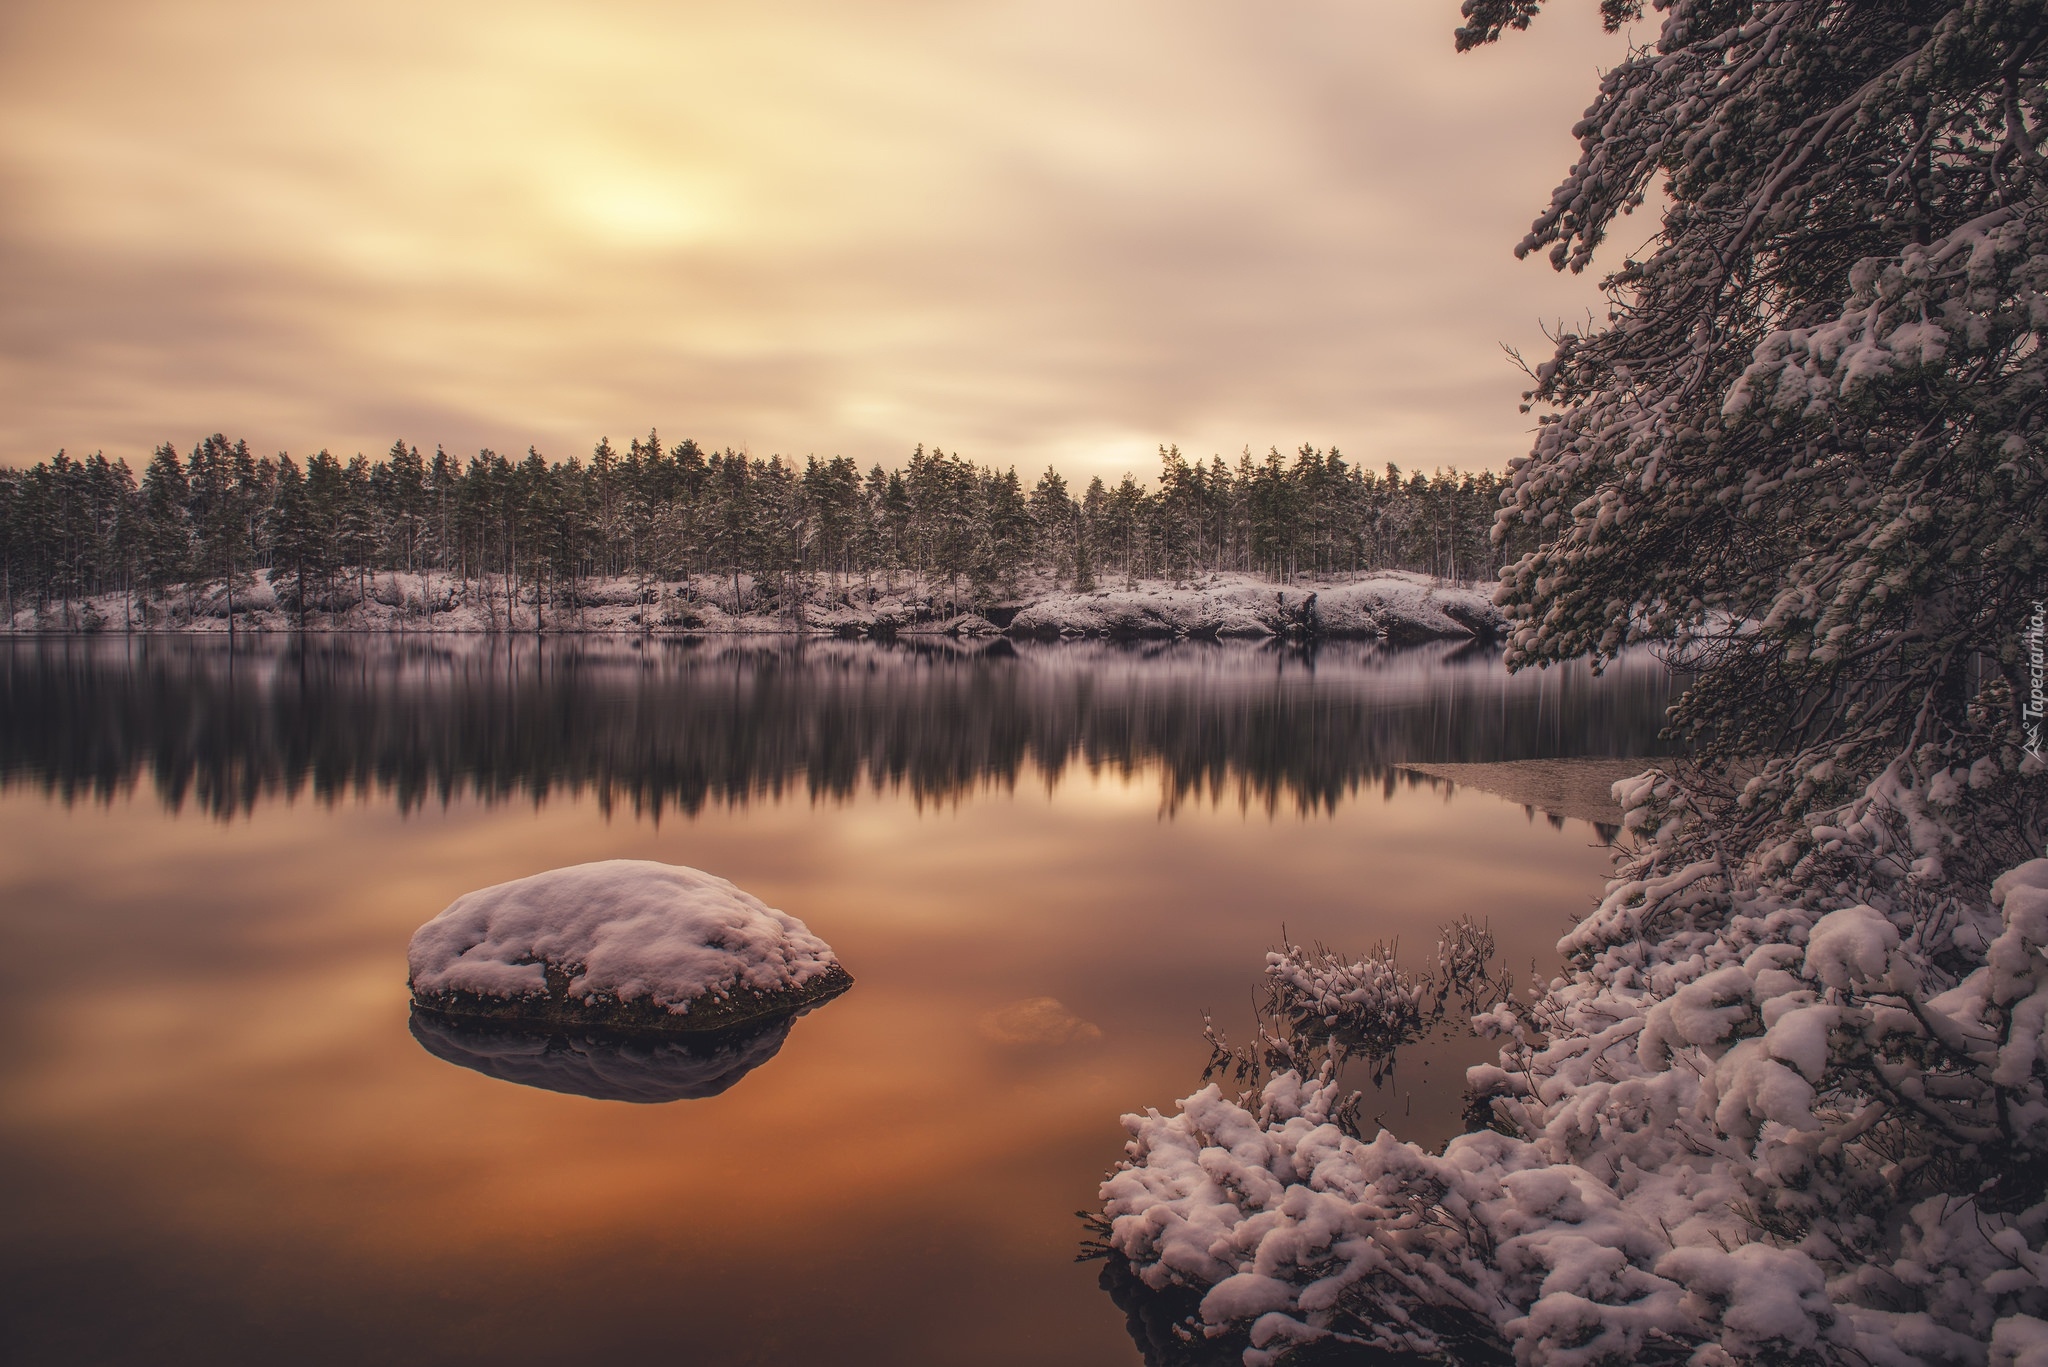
[1577,789]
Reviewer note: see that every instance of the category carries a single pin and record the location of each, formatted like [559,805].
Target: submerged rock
[646,1069]
[624,944]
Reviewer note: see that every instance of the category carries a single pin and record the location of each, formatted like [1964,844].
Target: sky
[1035,232]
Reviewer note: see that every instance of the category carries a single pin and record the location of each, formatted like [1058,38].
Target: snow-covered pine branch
[1789,1101]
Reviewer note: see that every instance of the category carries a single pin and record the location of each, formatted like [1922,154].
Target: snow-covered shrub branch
[1771,1114]
[1321,1009]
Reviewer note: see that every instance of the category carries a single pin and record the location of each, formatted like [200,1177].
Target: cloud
[1042,232]
[1035,1020]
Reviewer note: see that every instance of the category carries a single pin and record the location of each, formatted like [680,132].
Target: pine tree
[444,484]
[399,486]
[1053,513]
[327,499]
[294,538]
[1808,452]
[13,550]
[1089,532]
[1005,521]
[226,498]
[166,549]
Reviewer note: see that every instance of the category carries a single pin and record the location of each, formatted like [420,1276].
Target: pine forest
[72,529]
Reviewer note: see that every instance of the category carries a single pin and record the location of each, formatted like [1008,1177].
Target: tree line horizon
[77,528]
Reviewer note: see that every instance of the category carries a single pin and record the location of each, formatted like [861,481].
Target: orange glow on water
[212,1069]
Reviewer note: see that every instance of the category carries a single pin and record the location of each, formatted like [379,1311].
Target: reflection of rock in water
[642,1068]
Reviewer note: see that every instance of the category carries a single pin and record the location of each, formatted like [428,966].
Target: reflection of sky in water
[213,1102]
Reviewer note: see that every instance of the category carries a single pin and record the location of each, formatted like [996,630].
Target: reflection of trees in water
[674,725]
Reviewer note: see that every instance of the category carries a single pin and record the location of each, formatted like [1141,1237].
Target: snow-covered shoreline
[1388,605]
[1695,1151]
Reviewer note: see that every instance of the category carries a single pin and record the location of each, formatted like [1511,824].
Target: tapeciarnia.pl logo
[2037,675]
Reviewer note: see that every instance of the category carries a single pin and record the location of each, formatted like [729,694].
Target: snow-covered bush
[1772,1114]
[1369,998]
[1322,1009]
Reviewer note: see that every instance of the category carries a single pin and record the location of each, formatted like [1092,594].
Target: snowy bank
[620,944]
[1390,606]
[1787,1110]
[1396,607]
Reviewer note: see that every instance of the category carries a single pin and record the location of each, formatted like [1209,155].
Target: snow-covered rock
[644,1069]
[964,624]
[620,944]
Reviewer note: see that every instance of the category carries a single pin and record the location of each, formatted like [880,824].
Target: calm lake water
[222,1143]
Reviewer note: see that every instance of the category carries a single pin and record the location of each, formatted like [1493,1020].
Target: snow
[1395,606]
[1730,1119]
[1850,947]
[646,1070]
[2020,1341]
[1800,1036]
[1368,997]
[669,940]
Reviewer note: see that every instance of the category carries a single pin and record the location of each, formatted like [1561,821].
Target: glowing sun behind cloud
[1038,233]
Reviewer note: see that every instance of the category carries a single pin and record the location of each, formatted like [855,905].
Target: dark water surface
[223,1141]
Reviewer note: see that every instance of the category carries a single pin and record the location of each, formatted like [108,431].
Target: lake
[224,1143]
